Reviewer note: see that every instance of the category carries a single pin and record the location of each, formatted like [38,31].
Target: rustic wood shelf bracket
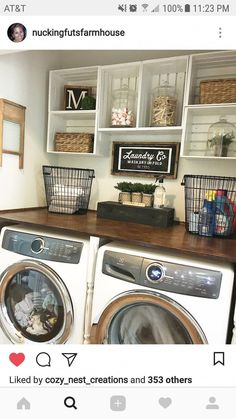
[13,113]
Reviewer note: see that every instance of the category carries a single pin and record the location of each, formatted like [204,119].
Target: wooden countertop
[174,237]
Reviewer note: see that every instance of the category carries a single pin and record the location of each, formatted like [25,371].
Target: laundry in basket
[67,189]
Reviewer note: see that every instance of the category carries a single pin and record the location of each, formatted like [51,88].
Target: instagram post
[118,211]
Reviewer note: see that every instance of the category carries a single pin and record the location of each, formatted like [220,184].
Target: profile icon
[16,32]
[212,404]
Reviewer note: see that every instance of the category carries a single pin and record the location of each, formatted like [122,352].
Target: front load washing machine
[147,296]
[42,286]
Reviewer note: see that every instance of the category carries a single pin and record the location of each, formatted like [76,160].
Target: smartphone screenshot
[118,209]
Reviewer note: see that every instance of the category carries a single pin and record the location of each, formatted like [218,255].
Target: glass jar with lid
[123,107]
[220,138]
[164,105]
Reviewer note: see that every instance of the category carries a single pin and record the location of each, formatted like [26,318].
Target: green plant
[124,186]
[226,139]
[149,188]
[137,187]
[87,103]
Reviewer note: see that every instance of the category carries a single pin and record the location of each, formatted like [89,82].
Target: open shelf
[198,121]
[69,121]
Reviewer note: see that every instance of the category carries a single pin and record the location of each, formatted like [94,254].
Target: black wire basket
[67,189]
[210,205]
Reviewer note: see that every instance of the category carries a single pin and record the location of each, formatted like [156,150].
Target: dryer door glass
[146,324]
[146,318]
[34,303]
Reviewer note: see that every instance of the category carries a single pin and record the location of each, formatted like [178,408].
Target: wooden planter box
[159,217]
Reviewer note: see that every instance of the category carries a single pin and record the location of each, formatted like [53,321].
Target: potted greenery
[136,192]
[220,135]
[125,189]
[88,103]
[147,195]
[221,144]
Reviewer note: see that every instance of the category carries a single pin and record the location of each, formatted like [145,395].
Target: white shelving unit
[60,120]
[199,117]
[114,77]
[198,120]
[142,77]
[156,73]
[184,73]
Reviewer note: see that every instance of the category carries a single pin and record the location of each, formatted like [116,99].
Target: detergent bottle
[224,214]
[207,215]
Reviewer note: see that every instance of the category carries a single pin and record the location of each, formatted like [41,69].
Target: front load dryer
[148,296]
[42,285]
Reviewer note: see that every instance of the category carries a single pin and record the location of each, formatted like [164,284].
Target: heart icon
[17,359]
[165,402]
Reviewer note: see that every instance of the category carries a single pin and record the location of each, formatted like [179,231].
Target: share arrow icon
[70,357]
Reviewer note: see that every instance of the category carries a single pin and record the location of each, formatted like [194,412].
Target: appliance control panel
[42,247]
[162,275]
[181,279]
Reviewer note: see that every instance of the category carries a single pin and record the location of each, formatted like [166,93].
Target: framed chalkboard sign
[145,159]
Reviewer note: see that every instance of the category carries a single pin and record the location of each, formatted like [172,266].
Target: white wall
[103,188]
[25,80]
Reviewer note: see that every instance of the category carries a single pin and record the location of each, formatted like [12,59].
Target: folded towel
[62,209]
[59,189]
[64,201]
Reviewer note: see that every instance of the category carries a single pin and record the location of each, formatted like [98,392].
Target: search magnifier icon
[70,402]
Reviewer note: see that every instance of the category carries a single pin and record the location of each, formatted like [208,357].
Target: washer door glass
[35,304]
[146,324]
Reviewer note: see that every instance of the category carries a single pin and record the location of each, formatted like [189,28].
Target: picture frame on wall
[74,96]
[145,159]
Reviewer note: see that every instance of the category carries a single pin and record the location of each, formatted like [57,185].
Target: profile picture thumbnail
[16,32]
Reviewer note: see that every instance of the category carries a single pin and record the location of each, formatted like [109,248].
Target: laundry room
[117,167]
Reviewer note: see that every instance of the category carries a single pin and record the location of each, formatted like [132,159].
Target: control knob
[37,245]
[155,273]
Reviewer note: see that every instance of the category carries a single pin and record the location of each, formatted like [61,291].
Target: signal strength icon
[156,9]
[145,6]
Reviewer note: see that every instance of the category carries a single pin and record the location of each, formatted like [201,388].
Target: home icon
[23,404]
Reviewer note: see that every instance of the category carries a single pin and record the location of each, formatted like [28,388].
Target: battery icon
[187,8]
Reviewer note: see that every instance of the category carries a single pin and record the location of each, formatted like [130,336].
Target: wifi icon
[145,6]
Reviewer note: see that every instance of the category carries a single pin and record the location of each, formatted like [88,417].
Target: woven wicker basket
[218,91]
[74,142]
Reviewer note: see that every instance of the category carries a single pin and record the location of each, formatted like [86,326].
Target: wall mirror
[12,130]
